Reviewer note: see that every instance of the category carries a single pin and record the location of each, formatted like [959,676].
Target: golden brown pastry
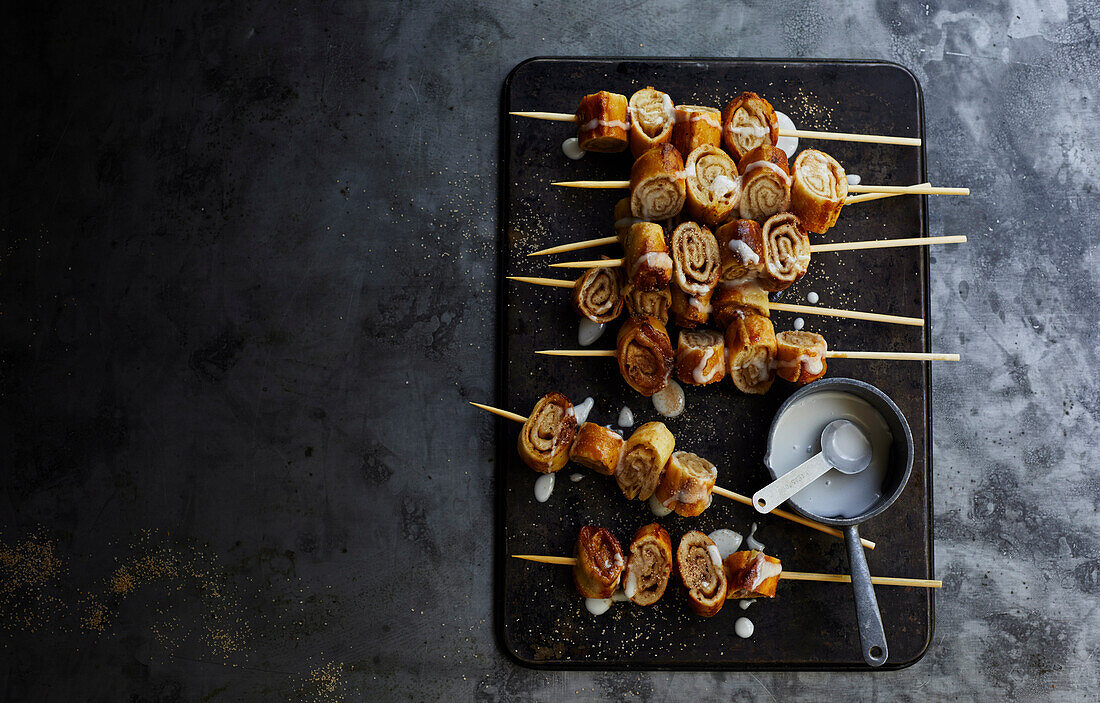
[747,122]
[652,117]
[686,484]
[765,183]
[597,448]
[818,189]
[643,459]
[690,311]
[700,357]
[603,123]
[800,356]
[696,263]
[647,303]
[548,433]
[599,562]
[751,347]
[696,126]
[700,567]
[657,184]
[645,354]
[647,261]
[597,294]
[735,301]
[648,565]
[713,186]
[786,251]
[752,574]
[741,247]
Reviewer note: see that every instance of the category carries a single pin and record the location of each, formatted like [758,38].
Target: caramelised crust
[690,311]
[734,301]
[741,248]
[599,562]
[686,484]
[700,357]
[752,574]
[648,565]
[597,448]
[765,183]
[645,355]
[818,189]
[548,433]
[768,153]
[786,251]
[800,356]
[750,347]
[747,122]
[713,186]
[652,118]
[647,303]
[696,126]
[643,459]
[603,123]
[597,294]
[700,567]
[647,260]
[657,187]
[695,259]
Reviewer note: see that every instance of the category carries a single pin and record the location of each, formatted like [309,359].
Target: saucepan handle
[871,635]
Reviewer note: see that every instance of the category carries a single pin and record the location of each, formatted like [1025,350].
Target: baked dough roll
[741,247]
[643,459]
[647,261]
[648,565]
[690,311]
[645,354]
[648,303]
[700,357]
[597,294]
[599,562]
[700,567]
[765,183]
[800,356]
[786,251]
[735,301]
[713,187]
[696,263]
[752,574]
[751,347]
[657,188]
[623,219]
[652,117]
[603,122]
[696,126]
[686,484]
[548,433]
[597,448]
[818,189]
[747,122]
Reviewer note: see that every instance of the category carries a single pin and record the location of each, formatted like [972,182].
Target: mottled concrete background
[246,285]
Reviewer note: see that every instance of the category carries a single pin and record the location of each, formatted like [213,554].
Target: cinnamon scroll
[603,123]
[647,260]
[686,484]
[696,126]
[752,574]
[597,448]
[700,567]
[647,303]
[786,251]
[748,122]
[741,247]
[700,357]
[657,188]
[648,565]
[548,433]
[689,311]
[800,356]
[765,183]
[713,186]
[643,459]
[645,355]
[735,301]
[652,119]
[751,347]
[696,262]
[597,294]
[818,189]
[599,562]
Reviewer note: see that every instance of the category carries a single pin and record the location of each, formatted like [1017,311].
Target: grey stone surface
[248,285]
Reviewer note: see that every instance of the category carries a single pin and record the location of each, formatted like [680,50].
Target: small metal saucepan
[871,634]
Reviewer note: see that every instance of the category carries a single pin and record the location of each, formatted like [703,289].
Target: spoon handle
[772,495]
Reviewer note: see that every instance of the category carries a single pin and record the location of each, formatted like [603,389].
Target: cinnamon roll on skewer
[647,303]
[696,126]
[649,265]
[713,186]
[648,565]
[741,247]
[645,355]
[597,448]
[599,563]
[700,357]
[765,183]
[548,433]
[652,118]
[696,262]
[736,301]
[800,356]
[597,294]
[786,252]
[752,574]
[699,564]
[686,484]
[751,346]
[643,459]
[818,189]
[689,311]
[603,122]
[657,187]
[748,122]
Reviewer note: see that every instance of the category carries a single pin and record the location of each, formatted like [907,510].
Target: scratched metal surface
[541,619]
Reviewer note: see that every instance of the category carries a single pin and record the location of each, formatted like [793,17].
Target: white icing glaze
[743,250]
[669,401]
[715,555]
[589,331]
[699,305]
[723,185]
[799,323]
[854,179]
[576,477]
[653,259]
[657,508]
[571,147]
[812,297]
[765,570]
[743,627]
[627,222]
[699,373]
[593,124]
[751,542]
[746,602]
[630,584]
[626,417]
[544,486]
[766,164]
[582,410]
[788,144]
[619,596]
[755,130]
[726,540]
[597,606]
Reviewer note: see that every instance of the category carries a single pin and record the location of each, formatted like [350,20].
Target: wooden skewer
[784,575]
[895,190]
[725,493]
[886,356]
[800,133]
[878,196]
[576,245]
[555,282]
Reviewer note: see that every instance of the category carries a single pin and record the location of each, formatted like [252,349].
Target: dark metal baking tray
[540,619]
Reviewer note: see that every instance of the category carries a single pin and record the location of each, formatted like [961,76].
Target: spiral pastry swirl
[765,183]
[645,354]
[643,459]
[741,246]
[696,262]
[800,356]
[597,294]
[818,189]
[751,347]
[686,484]
[652,118]
[548,433]
[696,126]
[603,122]
[647,303]
[713,187]
[748,122]
[700,357]
[599,563]
[786,251]
[700,567]
[648,565]
[657,187]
